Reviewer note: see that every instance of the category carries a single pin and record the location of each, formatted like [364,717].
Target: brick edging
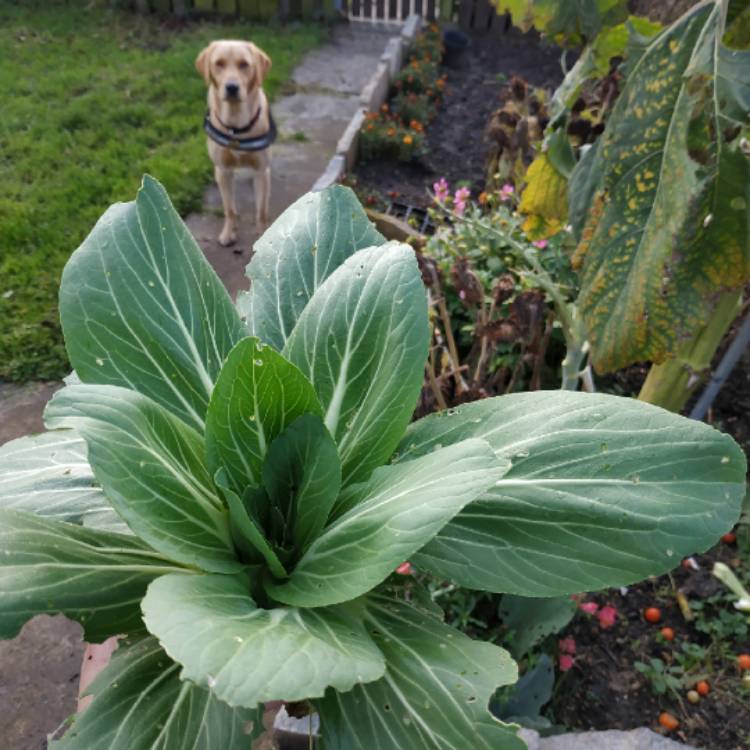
[373,96]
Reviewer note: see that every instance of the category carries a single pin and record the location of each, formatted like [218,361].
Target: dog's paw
[227,237]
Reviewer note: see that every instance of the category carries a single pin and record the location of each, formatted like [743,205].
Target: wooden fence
[480,15]
[475,15]
[255,10]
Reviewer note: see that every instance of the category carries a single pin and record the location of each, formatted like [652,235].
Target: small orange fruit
[744,661]
[729,538]
[668,721]
[667,634]
[652,614]
[703,688]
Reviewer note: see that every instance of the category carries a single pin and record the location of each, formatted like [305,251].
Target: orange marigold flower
[482,198]
[408,140]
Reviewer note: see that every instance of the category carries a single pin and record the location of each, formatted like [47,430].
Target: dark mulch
[456,148]
[603,690]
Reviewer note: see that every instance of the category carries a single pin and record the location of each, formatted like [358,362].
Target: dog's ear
[202,63]
[262,62]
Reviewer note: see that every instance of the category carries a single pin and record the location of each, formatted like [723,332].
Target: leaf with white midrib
[95,577]
[151,466]
[141,307]
[302,248]
[603,491]
[140,703]
[387,519]
[258,394]
[435,692]
[247,655]
[49,474]
[362,341]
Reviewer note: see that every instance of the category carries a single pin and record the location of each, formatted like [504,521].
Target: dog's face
[233,68]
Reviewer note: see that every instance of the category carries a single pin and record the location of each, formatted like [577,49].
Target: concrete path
[324,94]
[39,669]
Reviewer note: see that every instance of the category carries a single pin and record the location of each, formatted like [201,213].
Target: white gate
[392,11]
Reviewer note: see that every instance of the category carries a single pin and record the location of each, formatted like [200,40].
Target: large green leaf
[141,307]
[92,576]
[667,230]
[49,474]
[568,22]
[362,341]
[302,475]
[140,703]
[247,655]
[386,520]
[435,692]
[303,247]
[151,466]
[603,491]
[257,396]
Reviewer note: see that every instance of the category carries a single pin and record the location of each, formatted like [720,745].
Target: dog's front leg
[225,181]
[262,185]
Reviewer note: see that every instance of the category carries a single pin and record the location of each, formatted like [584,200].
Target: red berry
[703,688]
[667,634]
[729,538]
[668,721]
[744,661]
[652,614]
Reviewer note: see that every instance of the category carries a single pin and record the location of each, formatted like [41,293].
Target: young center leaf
[92,576]
[140,703]
[151,466]
[666,227]
[362,341]
[246,655]
[435,692]
[603,491]
[388,518]
[302,475]
[258,394]
[49,475]
[141,307]
[303,247]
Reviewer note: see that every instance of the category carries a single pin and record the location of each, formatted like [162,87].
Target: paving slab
[634,739]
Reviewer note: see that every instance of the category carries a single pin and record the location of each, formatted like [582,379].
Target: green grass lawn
[91,99]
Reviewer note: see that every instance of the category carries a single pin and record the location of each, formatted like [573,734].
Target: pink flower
[566,662]
[607,617]
[441,190]
[404,569]
[567,645]
[590,608]
[506,192]
[459,200]
[541,244]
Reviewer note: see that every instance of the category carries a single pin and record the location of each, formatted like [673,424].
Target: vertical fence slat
[466,13]
[482,15]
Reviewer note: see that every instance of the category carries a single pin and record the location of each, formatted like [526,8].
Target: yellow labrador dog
[238,124]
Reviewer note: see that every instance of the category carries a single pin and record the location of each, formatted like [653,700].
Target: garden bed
[456,147]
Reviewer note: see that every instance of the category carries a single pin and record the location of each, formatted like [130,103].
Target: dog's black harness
[230,139]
